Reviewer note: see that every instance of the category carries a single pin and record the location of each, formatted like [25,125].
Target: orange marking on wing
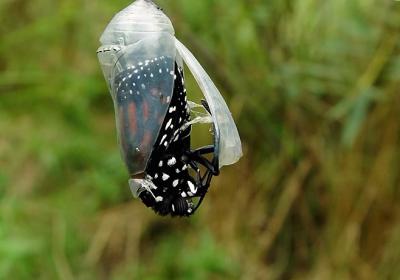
[145,110]
[146,139]
[121,129]
[132,118]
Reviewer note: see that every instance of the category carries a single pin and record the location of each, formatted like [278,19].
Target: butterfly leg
[197,156]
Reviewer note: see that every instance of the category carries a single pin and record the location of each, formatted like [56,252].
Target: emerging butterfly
[142,64]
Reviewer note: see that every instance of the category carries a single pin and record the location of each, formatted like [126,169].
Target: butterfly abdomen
[167,168]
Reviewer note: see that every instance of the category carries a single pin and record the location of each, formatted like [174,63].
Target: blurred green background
[314,88]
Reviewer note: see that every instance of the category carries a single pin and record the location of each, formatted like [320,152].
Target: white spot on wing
[163,138]
[165,177]
[171,161]
[192,188]
[168,124]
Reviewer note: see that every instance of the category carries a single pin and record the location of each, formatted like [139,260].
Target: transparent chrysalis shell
[135,37]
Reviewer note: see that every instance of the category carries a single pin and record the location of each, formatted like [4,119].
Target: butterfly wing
[140,78]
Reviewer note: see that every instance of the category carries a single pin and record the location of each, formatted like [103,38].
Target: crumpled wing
[140,78]
[230,147]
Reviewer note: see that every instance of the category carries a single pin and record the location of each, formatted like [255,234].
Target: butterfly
[142,63]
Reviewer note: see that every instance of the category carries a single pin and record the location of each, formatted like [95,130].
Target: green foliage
[174,260]
[313,86]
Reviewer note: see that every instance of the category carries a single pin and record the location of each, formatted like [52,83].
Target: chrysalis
[142,63]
